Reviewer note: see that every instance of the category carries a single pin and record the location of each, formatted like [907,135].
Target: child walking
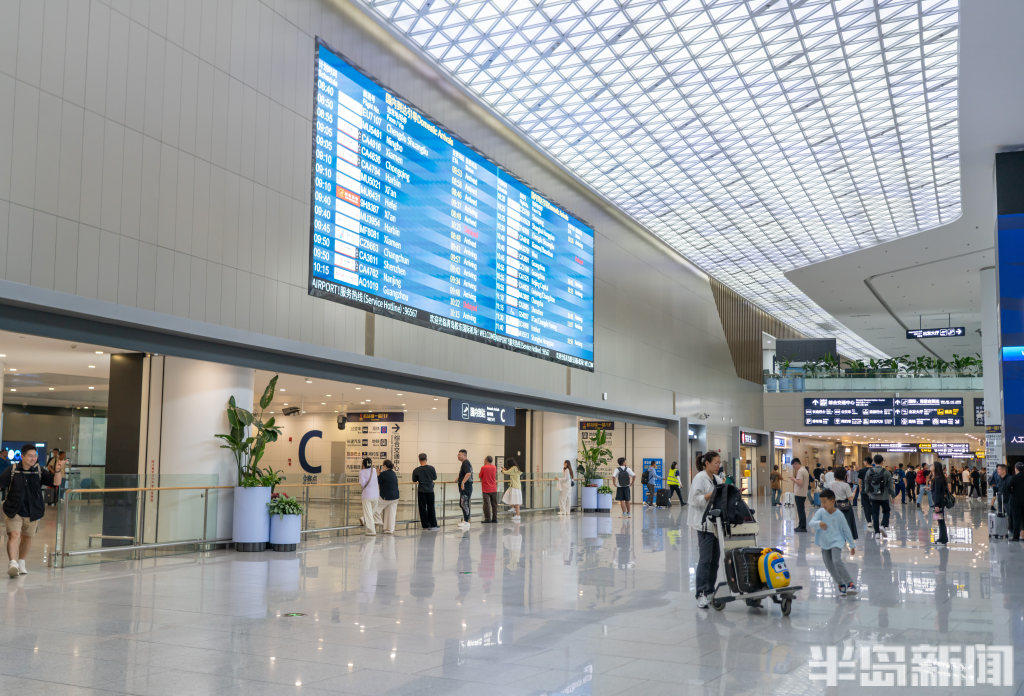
[832,534]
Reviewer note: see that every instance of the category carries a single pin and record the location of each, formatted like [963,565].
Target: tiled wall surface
[157,154]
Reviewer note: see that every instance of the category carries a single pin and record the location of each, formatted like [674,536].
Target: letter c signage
[302,452]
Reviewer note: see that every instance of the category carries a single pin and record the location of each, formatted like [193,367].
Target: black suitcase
[741,569]
[662,499]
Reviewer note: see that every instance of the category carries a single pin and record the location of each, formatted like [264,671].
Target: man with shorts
[23,506]
[624,477]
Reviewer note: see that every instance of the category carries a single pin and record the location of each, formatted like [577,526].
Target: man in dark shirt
[424,475]
[23,506]
[465,487]
[489,487]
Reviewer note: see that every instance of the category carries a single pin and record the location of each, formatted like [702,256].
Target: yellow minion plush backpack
[771,566]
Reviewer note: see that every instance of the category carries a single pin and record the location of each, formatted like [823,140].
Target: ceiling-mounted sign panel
[944,332]
[409,222]
[481,412]
[884,412]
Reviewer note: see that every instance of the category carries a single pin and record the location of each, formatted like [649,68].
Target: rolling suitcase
[661,499]
[997,522]
[741,569]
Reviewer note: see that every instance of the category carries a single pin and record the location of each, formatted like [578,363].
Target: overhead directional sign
[943,332]
[481,412]
[884,411]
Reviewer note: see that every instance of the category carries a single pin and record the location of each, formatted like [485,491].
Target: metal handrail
[63,522]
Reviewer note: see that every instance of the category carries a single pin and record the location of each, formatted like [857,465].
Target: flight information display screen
[409,222]
[884,411]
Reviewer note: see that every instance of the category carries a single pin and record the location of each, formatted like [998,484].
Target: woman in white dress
[565,488]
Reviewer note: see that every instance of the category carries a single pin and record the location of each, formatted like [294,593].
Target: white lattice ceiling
[753,136]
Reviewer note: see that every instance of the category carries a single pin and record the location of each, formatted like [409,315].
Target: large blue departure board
[409,222]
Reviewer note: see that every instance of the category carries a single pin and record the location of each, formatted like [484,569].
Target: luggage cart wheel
[786,605]
[754,603]
[717,604]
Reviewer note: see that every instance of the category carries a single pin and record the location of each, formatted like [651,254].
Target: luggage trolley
[744,535]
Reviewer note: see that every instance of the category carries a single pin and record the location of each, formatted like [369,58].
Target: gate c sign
[303,462]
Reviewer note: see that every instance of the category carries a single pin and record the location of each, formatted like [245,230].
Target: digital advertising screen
[409,222]
[1010,273]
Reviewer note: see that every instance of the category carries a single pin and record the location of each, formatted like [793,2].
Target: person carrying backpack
[940,491]
[624,478]
[878,485]
[702,488]
[921,480]
[650,480]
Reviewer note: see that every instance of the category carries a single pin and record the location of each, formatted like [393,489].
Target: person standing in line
[370,496]
[513,496]
[996,482]
[624,478]
[965,481]
[878,483]
[489,488]
[776,484]
[23,505]
[801,479]
[940,490]
[1013,494]
[832,534]
[975,482]
[911,482]
[465,487]
[650,482]
[388,483]
[565,484]
[424,476]
[673,483]
[701,489]
[844,498]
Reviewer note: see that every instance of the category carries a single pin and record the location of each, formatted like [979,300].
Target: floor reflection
[579,605]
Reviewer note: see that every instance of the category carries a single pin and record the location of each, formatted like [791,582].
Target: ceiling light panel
[752,136]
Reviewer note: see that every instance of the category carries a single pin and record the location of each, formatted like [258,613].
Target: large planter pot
[250,526]
[285,532]
[798,383]
[772,385]
[589,498]
[785,384]
[604,501]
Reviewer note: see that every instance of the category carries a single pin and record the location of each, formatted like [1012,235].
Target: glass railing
[124,521]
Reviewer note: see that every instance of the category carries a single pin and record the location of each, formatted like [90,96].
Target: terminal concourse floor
[586,605]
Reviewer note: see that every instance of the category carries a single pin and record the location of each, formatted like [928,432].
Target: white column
[187,408]
[992,365]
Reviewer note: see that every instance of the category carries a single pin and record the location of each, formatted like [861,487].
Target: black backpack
[729,500]
[875,483]
[646,477]
[623,477]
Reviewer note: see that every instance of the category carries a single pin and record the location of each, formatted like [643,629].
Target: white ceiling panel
[753,136]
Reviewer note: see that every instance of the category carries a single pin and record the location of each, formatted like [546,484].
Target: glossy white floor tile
[586,605]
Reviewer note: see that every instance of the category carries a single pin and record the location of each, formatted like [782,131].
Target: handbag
[949,501]
[844,505]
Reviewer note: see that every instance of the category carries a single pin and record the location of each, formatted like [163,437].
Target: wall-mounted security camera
[290,410]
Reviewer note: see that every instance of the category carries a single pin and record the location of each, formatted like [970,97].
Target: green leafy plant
[829,365]
[280,504]
[811,368]
[248,438]
[784,366]
[856,368]
[605,490]
[962,365]
[270,478]
[591,459]
[941,366]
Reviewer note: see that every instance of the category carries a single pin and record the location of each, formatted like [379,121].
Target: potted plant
[772,383]
[285,522]
[785,381]
[604,498]
[589,464]
[247,440]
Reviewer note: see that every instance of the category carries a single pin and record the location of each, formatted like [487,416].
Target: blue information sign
[410,222]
